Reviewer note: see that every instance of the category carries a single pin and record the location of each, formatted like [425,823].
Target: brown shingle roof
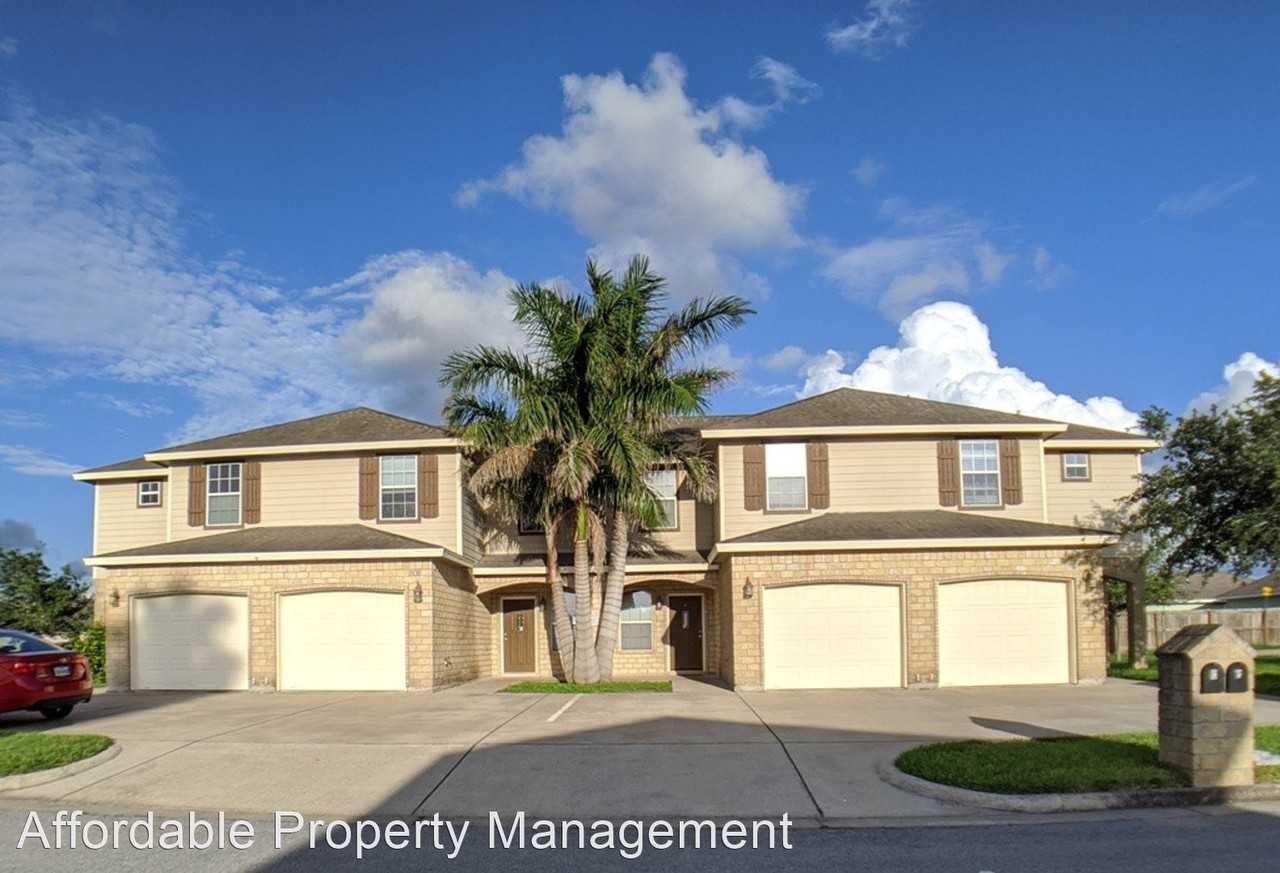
[1085,432]
[291,538]
[142,465]
[359,425]
[906,525]
[851,407]
[565,559]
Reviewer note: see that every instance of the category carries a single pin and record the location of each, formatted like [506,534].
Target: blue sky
[216,218]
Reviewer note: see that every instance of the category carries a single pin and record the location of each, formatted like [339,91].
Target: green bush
[92,643]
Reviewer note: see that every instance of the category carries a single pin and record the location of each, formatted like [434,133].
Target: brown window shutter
[252,492]
[195,495]
[753,477]
[818,475]
[948,472]
[368,487]
[429,484]
[1011,471]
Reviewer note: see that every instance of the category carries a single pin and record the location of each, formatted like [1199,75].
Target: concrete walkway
[701,751]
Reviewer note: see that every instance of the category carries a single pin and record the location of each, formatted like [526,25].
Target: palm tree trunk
[585,667]
[611,608]
[559,609]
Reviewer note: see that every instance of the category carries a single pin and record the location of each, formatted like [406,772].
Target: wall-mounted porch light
[115,597]
[417,592]
[748,590]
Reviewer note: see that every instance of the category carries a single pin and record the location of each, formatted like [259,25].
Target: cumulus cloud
[945,353]
[785,358]
[31,461]
[19,535]
[1204,198]
[869,171]
[885,25]
[1238,378]
[642,168]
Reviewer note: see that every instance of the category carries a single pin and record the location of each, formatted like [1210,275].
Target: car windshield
[18,643]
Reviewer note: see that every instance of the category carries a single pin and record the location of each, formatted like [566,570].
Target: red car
[40,676]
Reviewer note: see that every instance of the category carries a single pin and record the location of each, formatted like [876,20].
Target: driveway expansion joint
[804,783]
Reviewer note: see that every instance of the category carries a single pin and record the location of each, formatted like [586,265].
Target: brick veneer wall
[459,628]
[262,583]
[920,573]
[626,663]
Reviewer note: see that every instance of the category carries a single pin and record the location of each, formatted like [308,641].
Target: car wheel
[54,713]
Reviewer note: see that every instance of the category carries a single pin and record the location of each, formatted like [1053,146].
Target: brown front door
[686,632]
[517,636]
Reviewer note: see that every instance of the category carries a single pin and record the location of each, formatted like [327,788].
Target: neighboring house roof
[923,524]
[1254,589]
[308,542]
[1201,586]
[359,425]
[135,468]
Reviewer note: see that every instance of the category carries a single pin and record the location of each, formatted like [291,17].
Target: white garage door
[191,641]
[833,636]
[1003,632]
[342,641]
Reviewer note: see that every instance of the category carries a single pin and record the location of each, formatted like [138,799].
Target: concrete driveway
[703,750]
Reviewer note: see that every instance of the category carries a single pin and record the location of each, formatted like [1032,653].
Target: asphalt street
[1163,841]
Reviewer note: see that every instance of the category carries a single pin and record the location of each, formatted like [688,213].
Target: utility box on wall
[1206,705]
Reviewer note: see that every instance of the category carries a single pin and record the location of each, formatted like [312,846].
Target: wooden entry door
[685,632]
[517,635]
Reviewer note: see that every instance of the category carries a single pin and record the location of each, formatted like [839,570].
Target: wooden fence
[1258,627]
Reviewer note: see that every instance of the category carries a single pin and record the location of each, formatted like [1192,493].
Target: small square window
[663,485]
[979,473]
[149,493]
[1075,466]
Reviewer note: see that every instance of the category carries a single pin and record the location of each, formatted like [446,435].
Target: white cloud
[785,358]
[884,26]
[1204,198]
[641,168]
[869,171]
[8,46]
[1238,378]
[991,263]
[945,353]
[20,418]
[786,86]
[32,461]
[132,408]
[1049,271]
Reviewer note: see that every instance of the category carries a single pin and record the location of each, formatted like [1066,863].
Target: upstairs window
[223,494]
[637,621]
[398,495]
[663,485]
[787,486]
[149,493]
[1075,466]
[979,473]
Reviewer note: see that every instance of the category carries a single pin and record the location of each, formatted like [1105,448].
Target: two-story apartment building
[857,539]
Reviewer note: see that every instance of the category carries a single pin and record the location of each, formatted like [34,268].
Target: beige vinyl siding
[1113,476]
[472,535]
[324,489]
[122,524]
[874,475]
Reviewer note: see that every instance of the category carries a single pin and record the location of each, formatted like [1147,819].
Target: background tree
[34,598]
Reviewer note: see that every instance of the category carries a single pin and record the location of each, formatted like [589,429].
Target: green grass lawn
[1267,666]
[1066,764]
[598,688]
[29,752]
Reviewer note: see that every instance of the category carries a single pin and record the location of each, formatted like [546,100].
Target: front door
[517,636]
[686,632]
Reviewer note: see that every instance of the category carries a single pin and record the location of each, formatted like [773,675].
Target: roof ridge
[898,396]
[295,421]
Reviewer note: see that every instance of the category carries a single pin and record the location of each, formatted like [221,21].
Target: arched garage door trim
[1069,586]
[898,586]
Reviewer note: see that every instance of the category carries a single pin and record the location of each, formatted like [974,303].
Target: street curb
[53,774]
[1142,798]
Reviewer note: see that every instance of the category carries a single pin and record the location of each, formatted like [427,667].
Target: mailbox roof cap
[1192,638]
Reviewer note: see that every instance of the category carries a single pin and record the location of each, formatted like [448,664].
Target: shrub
[92,643]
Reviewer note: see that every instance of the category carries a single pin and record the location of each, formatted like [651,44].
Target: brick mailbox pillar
[1206,705]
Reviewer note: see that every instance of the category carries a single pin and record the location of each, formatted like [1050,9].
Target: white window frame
[662,498]
[1067,467]
[209,495]
[158,493]
[383,488]
[769,477]
[999,502]
[622,620]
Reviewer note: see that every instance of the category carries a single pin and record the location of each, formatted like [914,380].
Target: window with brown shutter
[252,492]
[1011,471]
[819,476]
[368,487]
[429,484]
[195,495]
[948,473]
[753,477]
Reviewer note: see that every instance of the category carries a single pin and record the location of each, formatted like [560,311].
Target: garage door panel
[342,641]
[1003,632]
[191,642]
[832,636]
